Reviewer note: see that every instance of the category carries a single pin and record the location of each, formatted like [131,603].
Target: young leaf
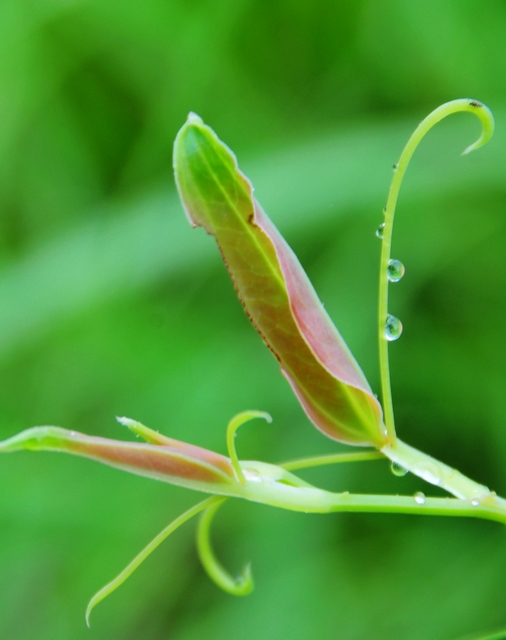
[274,290]
[181,464]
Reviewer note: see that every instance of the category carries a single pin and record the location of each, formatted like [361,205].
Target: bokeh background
[110,304]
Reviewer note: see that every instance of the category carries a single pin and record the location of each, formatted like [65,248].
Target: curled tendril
[139,559]
[487,121]
[241,586]
[233,425]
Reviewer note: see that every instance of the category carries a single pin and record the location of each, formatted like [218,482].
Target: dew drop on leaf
[393,328]
[395,270]
[397,470]
[419,497]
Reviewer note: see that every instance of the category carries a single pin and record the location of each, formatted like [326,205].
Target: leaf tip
[193,118]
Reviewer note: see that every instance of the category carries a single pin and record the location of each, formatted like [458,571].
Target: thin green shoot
[449,108]
[139,559]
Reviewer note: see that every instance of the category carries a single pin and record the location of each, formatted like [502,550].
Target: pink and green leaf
[177,463]
[274,290]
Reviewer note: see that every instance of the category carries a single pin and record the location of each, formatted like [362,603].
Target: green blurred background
[111,305]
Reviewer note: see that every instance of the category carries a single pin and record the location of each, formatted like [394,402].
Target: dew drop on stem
[380,231]
[419,497]
[252,475]
[395,270]
[393,328]
[398,470]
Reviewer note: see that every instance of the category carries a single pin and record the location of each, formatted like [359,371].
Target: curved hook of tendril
[487,121]
[233,425]
[241,586]
[139,559]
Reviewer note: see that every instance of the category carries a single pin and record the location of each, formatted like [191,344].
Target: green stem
[435,472]
[411,459]
[487,120]
[312,500]
[333,458]
[492,509]
[233,425]
[241,586]
[139,559]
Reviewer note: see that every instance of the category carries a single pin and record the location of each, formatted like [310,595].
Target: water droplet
[380,231]
[429,471]
[397,470]
[475,502]
[396,165]
[419,497]
[393,328]
[73,434]
[252,475]
[395,270]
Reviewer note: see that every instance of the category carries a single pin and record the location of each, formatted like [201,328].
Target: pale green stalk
[333,458]
[139,559]
[276,487]
[267,484]
[487,120]
[415,461]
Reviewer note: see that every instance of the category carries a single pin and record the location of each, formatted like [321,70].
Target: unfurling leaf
[274,290]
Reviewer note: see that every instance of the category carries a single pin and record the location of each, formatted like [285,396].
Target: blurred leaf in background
[111,305]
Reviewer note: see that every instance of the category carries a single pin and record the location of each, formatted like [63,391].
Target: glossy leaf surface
[274,289]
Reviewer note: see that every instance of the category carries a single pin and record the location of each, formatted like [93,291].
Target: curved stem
[139,559]
[233,425]
[241,586]
[487,120]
